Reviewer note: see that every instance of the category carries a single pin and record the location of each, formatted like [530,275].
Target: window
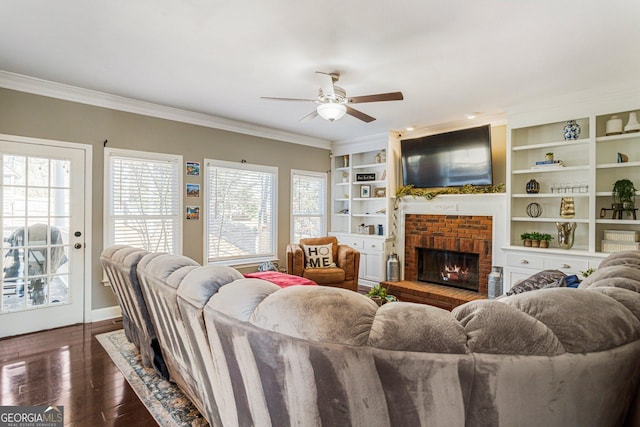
[143,198]
[308,205]
[241,212]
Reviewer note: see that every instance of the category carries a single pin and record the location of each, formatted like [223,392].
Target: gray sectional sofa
[250,353]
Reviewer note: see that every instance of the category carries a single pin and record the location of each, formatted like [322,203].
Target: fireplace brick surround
[461,233]
[460,222]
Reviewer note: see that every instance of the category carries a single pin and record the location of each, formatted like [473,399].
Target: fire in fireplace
[449,268]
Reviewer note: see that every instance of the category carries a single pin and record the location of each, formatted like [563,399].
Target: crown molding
[378,137]
[599,100]
[65,92]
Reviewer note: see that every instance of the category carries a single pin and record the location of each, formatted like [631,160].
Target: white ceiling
[447,57]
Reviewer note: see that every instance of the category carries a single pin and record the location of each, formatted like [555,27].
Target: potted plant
[526,239]
[549,156]
[378,294]
[545,239]
[624,195]
[535,239]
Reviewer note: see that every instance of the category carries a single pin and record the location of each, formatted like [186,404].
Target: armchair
[343,275]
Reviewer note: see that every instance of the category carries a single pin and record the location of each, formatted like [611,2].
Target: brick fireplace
[460,233]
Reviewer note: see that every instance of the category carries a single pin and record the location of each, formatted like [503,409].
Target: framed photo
[380,192]
[193,168]
[193,212]
[193,190]
[365,191]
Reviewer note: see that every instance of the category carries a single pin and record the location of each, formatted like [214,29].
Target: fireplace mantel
[493,205]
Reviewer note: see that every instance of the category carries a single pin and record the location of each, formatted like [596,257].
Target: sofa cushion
[541,280]
[583,321]
[240,298]
[628,258]
[624,296]
[201,283]
[317,314]
[325,275]
[406,326]
[497,328]
[623,276]
[319,256]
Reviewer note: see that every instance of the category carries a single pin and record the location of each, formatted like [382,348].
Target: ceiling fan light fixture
[331,111]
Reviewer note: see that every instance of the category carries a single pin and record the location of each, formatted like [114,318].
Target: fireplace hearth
[448,268]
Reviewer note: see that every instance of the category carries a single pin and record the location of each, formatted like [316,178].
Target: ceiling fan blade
[312,115]
[326,83]
[270,98]
[391,96]
[359,115]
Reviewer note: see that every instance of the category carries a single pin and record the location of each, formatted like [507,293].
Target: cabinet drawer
[525,261]
[373,245]
[355,243]
[567,266]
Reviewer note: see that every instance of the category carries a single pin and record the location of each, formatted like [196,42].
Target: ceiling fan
[333,102]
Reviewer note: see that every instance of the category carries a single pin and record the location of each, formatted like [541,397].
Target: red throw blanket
[281,279]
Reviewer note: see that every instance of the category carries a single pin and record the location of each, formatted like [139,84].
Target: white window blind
[144,200]
[308,205]
[241,212]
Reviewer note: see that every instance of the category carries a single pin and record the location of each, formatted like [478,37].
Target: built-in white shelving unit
[364,180]
[590,169]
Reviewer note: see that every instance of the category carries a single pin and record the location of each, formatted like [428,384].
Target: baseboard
[105,313]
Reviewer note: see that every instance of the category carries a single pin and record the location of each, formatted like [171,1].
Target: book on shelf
[549,164]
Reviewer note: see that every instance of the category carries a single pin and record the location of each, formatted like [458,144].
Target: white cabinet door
[362,272]
[374,267]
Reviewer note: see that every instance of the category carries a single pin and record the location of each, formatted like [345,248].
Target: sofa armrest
[295,259]
[349,260]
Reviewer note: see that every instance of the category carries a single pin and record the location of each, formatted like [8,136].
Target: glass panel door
[42,217]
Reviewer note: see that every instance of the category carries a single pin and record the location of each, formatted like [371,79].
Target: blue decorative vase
[571,130]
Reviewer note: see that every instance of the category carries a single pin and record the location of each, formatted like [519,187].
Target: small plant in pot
[545,239]
[624,195]
[548,156]
[526,239]
[378,294]
[535,239]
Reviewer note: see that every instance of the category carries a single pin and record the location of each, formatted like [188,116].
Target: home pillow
[319,256]
[543,279]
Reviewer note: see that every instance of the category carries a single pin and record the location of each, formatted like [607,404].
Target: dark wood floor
[69,367]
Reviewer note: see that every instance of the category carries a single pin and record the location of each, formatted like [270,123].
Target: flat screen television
[450,159]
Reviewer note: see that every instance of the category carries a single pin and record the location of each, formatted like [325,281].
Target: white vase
[614,126]
[632,124]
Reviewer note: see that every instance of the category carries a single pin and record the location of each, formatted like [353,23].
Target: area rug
[164,400]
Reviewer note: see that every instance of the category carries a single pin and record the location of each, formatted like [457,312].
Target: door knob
[78,246]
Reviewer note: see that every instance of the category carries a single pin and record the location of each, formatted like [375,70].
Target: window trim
[109,153]
[240,262]
[324,175]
